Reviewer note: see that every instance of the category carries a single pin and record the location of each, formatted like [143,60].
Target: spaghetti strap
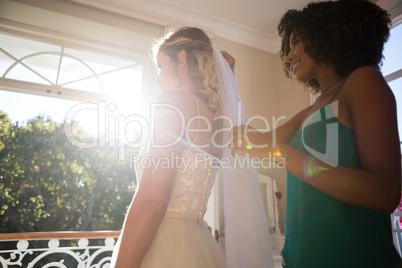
[198,114]
[336,92]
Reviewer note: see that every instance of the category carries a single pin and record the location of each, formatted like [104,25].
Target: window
[72,75]
[43,174]
[58,67]
[392,70]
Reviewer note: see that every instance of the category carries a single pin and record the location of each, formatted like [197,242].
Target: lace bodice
[195,177]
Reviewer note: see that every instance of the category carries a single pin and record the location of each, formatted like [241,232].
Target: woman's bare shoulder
[176,97]
[366,76]
[367,83]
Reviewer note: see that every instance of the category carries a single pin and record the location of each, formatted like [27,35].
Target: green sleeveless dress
[322,231]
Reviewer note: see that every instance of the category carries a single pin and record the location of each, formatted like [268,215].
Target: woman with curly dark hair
[342,153]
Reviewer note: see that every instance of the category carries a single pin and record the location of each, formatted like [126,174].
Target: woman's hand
[247,140]
[231,61]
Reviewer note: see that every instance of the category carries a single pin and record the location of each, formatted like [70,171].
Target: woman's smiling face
[300,62]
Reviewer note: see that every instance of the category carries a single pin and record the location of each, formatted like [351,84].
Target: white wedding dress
[183,239]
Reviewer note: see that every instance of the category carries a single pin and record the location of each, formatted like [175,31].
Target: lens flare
[277,153]
[311,168]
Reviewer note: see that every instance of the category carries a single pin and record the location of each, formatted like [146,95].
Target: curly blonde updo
[201,67]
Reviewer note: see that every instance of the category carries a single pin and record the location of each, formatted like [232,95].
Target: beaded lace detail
[195,177]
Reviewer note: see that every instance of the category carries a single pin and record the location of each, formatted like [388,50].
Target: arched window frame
[59,90]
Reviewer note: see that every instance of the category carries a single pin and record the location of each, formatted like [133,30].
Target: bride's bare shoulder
[184,102]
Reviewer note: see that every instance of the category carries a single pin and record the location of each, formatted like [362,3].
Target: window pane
[22,107]
[51,176]
[21,47]
[56,109]
[90,85]
[20,72]
[396,87]
[393,52]
[89,115]
[125,83]
[45,64]
[72,70]
[98,63]
[5,63]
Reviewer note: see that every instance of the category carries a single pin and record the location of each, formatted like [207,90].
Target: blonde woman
[164,226]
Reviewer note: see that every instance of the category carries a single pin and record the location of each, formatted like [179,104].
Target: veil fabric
[246,229]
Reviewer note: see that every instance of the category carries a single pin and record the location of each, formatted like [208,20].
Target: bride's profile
[164,225]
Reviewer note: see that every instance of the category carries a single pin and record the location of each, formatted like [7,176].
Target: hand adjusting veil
[246,228]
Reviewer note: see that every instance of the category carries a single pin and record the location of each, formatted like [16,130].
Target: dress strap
[336,92]
[198,114]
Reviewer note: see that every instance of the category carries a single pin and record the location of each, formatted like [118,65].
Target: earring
[180,84]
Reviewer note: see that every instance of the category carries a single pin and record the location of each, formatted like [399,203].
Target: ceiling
[249,22]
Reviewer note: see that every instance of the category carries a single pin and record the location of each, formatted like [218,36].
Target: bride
[164,226]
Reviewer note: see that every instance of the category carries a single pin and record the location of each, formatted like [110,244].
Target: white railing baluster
[64,249]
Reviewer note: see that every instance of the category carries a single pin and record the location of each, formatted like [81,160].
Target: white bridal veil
[246,229]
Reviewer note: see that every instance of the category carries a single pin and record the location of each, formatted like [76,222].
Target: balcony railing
[57,249]
[80,249]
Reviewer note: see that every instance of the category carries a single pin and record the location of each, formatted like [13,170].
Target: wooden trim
[393,76]
[57,235]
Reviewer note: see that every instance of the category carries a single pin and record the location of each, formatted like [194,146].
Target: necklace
[313,109]
[333,84]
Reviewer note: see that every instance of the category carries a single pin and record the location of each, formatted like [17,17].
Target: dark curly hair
[345,33]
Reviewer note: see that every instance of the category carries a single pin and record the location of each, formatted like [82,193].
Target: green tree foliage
[48,184]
